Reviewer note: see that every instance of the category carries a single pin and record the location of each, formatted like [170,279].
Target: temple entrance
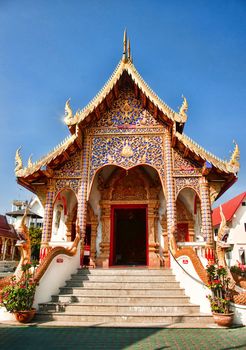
[129,235]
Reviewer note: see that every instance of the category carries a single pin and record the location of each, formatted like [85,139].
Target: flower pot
[25,316]
[224,320]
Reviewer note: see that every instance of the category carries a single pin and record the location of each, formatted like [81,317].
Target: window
[245,226]
[242,256]
[216,232]
[244,204]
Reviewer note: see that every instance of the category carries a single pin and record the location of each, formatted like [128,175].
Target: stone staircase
[121,297]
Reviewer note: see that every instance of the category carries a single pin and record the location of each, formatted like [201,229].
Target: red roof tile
[229,208]
[6,230]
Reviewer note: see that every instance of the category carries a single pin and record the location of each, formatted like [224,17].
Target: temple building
[127,178]
[8,251]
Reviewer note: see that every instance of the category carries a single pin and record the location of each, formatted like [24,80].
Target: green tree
[35,237]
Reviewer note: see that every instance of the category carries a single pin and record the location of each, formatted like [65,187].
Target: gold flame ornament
[184,108]
[18,160]
[234,161]
[127,151]
[29,162]
[69,120]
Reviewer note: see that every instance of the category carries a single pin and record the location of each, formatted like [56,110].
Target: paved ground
[69,338]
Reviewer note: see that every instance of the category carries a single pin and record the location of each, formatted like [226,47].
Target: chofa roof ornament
[18,161]
[69,118]
[234,164]
[184,108]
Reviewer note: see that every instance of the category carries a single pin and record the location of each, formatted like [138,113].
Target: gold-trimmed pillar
[94,224]
[103,258]
[82,196]
[206,214]
[48,218]
[153,243]
[171,214]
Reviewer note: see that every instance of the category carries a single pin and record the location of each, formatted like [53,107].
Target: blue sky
[52,50]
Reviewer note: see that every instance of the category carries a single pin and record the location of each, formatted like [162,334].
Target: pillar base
[102,262]
[154,260]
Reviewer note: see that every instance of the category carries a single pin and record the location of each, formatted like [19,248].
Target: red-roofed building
[235,214]
[8,251]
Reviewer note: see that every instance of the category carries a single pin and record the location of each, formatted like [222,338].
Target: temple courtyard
[19,338]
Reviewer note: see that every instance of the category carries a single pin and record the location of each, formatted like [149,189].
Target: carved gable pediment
[71,167]
[183,166]
[126,111]
[130,185]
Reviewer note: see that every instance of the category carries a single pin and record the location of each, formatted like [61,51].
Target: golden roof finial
[184,108]
[124,57]
[234,161]
[18,160]
[128,49]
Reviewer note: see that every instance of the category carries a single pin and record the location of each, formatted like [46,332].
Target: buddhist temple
[127,178]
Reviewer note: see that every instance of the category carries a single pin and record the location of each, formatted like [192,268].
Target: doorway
[129,235]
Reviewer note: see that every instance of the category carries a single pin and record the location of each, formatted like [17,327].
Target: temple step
[119,308]
[124,271]
[119,299]
[104,319]
[120,295]
[122,278]
[84,291]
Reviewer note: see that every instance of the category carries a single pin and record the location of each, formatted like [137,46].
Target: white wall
[55,276]
[237,234]
[191,283]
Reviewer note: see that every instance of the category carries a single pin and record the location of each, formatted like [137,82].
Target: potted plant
[18,296]
[220,297]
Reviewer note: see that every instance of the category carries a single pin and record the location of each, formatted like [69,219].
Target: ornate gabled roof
[225,166]
[73,121]
[142,85]
[125,65]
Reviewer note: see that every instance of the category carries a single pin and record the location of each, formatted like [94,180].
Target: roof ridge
[129,67]
[202,152]
[150,89]
[91,102]
[68,139]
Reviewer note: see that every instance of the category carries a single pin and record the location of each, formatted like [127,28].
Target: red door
[183,232]
[129,239]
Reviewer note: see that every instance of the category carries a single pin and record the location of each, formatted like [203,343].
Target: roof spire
[124,57]
[128,49]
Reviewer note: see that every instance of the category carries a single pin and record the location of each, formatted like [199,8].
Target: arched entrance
[128,216]
[188,215]
[64,216]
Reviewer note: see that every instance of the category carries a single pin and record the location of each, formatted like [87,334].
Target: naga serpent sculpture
[25,250]
[188,251]
[221,245]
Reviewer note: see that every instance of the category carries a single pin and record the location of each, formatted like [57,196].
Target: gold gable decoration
[234,164]
[18,161]
[126,65]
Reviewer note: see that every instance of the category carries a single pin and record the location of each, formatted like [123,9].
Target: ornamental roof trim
[45,160]
[222,165]
[122,67]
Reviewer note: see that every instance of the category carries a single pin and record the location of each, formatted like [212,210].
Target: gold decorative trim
[200,151]
[32,167]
